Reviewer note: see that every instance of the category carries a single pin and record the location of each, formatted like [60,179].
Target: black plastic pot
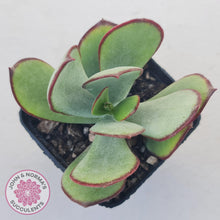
[30,124]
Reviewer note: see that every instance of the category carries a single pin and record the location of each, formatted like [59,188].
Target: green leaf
[119,80]
[73,53]
[198,82]
[193,81]
[111,128]
[164,117]
[89,44]
[65,93]
[164,149]
[130,44]
[108,161]
[29,81]
[84,195]
[126,108]
[99,105]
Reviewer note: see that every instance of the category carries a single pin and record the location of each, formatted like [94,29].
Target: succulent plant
[92,86]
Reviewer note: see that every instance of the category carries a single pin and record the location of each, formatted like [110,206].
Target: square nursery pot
[62,143]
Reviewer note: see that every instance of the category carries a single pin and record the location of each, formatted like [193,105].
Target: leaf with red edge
[201,84]
[126,108]
[194,81]
[120,129]
[29,82]
[65,93]
[84,195]
[164,117]
[73,53]
[119,80]
[131,43]
[164,149]
[108,161]
[89,44]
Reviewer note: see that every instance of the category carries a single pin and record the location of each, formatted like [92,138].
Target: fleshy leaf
[198,82]
[84,195]
[164,117]
[130,44]
[89,44]
[193,81]
[65,93]
[108,161]
[126,108]
[100,102]
[111,128]
[119,80]
[29,81]
[164,149]
[73,53]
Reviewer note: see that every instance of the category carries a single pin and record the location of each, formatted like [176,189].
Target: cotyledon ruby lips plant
[92,86]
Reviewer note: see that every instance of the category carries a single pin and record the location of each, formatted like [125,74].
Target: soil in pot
[64,142]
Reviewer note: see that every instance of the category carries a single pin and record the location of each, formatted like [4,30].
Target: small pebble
[71,149]
[147,76]
[91,137]
[47,126]
[74,131]
[152,160]
[73,155]
[85,130]
[144,166]
[142,149]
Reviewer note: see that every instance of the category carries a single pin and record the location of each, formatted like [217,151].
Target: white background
[187,186]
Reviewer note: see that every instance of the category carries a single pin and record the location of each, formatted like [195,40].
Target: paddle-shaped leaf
[193,81]
[164,117]
[119,80]
[89,44]
[164,149]
[126,108]
[130,44]
[84,195]
[29,81]
[111,128]
[65,93]
[108,161]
